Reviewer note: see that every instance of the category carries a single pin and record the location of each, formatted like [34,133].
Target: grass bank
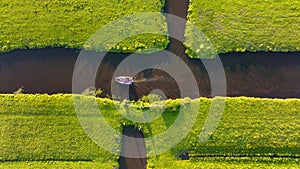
[45,128]
[166,162]
[55,23]
[243,25]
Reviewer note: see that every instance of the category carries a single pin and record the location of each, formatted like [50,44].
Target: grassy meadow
[243,25]
[167,162]
[43,130]
[55,23]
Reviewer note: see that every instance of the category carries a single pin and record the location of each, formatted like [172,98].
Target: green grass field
[43,131]
[164,162]
[243,25]
[70,23]
[230,26]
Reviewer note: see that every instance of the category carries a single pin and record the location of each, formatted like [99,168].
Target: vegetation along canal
[50,70]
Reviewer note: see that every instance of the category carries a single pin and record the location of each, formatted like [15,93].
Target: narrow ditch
[134,148]
[174,7]
[245,155]
[260,74]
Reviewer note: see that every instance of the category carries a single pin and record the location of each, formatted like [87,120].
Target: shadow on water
[260,74]
[50,70]
[136,147]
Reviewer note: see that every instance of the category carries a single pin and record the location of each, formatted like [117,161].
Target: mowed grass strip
[70,23]
[244,25]
[249,126]
[167,161]
[43,127]
[55,165]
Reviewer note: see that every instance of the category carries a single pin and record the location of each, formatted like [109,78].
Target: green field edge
[163,162]
[71,24]
[41,127]
[216,27]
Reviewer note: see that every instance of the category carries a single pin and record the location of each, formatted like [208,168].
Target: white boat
[126,80]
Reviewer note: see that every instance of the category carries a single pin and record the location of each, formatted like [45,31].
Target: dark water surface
[49,70]
[130,147]
[259,74]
